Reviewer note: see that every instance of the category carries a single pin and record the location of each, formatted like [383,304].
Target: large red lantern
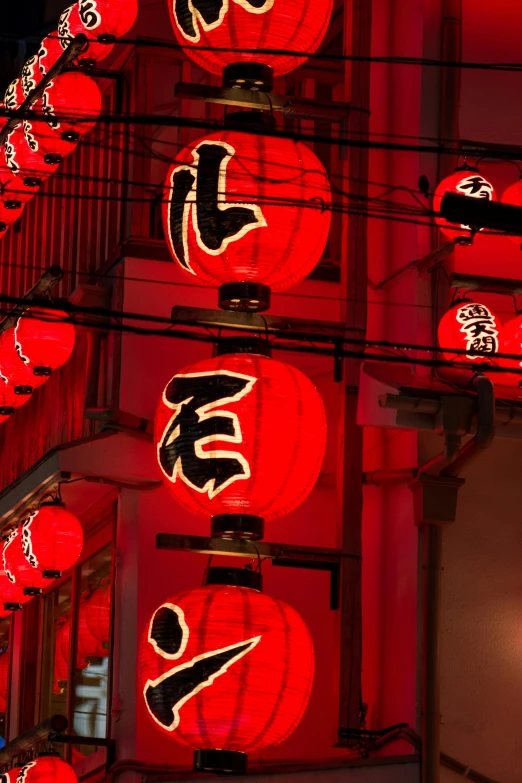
[49,53]
[70,25]
[52,539]
[469,326]
[75,96]
[252,25]
[240,438]
[513,196]
[34,167]
[465,181]
[4,679]
[248,213]
[98,613]
[14,95]
[18,568]
[47,768]
[226,670]
[44,339]
[14,369]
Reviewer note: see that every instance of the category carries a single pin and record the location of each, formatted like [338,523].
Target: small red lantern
[469,326]
[31,76]
[226,669]
[513,195]
[18,568]
[465,181]
[14,95]
[252,25]
[52,539]
[12,368]
[76,96]
[240,438]
[4,679]
[49,52]
[34,167]
[44,339]
[70,24]
[44,141]
[102,21]
[11,595]
[47,768]
[98,615]
[13,188]
[248,213]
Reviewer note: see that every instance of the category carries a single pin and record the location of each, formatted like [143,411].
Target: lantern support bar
[305,108]
[69,54]
[52,726]
[49,279]
[287,555]
[100,742]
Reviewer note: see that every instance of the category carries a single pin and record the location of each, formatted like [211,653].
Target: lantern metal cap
[12,204]
[237,526]
[71,136]
[6,410]
[32,591]
[56,502]
[244,297]
[32,182]
[42,371]
[228,345]
[248,76]
[235,577]
[47,753]
[52,159]
[22,390]
[254,120]
[51,574]
[231,762]
[12,606]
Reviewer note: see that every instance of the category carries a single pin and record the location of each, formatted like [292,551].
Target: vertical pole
[432,566]
[357,32]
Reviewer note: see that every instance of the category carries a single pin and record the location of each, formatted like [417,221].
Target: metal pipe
[49,279]
[55,725]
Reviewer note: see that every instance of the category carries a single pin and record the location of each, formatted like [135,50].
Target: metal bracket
[304,108]
[288,555]
[102,742]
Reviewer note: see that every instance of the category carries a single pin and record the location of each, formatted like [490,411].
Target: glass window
[56,641]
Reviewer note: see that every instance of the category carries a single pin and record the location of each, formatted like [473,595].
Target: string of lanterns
[240,438]
[35,148]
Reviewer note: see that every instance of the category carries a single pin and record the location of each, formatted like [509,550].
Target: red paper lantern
[18,568]
[49,52]
[70,25]
[247,209]
[52,539]
[465,181]
[98,614]
[33,166]
[47,768]
[14,95]
[13,188]
[513,195]
[226,667]
[75,96]
[236,25]
[469,326]
[44,141]
[102,21]
[9,399]
[10,211]
[13,368]
[11,595]
[44,339]
[31,76]
[4,679]
[240,438]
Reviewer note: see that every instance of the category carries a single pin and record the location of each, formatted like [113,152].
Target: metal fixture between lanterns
[32,182]
[6,410]
[52,159]
[71,136]
[12,204]
[221,761]
[235,577]
[244,297]
[249,76]
[23,390]
[238,344]
[238,526]
[12,607]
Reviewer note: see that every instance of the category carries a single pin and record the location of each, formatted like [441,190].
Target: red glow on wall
[226,667]
[47,768]
[52,539]
[465,181]
[294,26]
[247,208]
[240,434]
[469,326]
[98,616]
[44,339]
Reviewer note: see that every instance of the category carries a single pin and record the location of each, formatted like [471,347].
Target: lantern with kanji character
[465,181]
[98,614]
[44,339]
[248,213]
[13,187]
[44,141]
[71,104]
[31,76]
[513,196]
[18,567]
[70,25]
[52,539]
[226,670]
[14,95]
[49,52]
[33,166]
[240,438]
[229,37]
[47,768]
[469,326]
[13,369]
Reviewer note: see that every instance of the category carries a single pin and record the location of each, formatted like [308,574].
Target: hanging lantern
[52,539]
[465,181]
[44,339]
[76,96]
[47,768]
[14,95]
[12,368]
[13,188]
[34,167]
[98,613]
[469,326]
[11,595]
[513,196]
[9,399]
[213,672]
[4,679]
[18,568]
[44,141]
[60,667]
[273,416]
[10,211]
[252,25]
[49,52]
[248,213]
[102,21]
[31,76]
